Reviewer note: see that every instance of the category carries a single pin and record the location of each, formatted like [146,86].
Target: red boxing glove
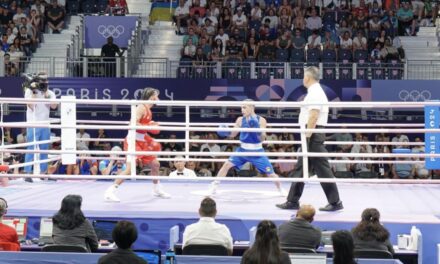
[155,146]
[154,132]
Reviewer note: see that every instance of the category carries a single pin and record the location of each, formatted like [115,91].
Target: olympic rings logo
[414,95]
[111,31]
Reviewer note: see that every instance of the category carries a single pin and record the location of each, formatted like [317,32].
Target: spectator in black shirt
[55,17]
[109,51]
[124,234]
[232,50]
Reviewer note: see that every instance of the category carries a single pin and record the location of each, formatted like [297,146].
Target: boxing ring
[241,202]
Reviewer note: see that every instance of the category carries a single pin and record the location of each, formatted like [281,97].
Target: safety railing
[134,65]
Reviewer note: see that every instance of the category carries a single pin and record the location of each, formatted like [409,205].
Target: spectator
[398,45]
[18,16]
[342,137]
[181,170]
[346,42]
[10,69]
[108,52]
[299,23]
[191,35]
[284,41]
[181,15]
[343,28]
[300,232]
[225,19]
[375,53]
[70,227]
[340,169]
[112,166]
[266,51]
[250,50]
[361,21]
[389,52]
[21,138]
[313,22]
[100,145]
[256,14]
[55,17]
[399,137]
[189,50]
[82,134]
[298,41]
[124,234]
[11,35]
[370,234]
[213,14]
[359,42]
[239,20]
[327,42]
[266,248]
[206,231]
[272,19]
[5,44]
[117,7]
[85,166]
[407,24]
[7,233]
[36,21]
[343,247]
[314,41]
[381,39]
[402,170]
[390,23]
[210,29]
[210,147]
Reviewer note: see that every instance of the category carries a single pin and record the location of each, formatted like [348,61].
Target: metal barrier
[141,67]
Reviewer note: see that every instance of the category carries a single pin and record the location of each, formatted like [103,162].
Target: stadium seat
[299,250]
[313,55]
[245,69]
[297,55]
[328,55]
[365,175]
[329,70]
[199,72]
[281,55]
[395,70]
[345,55]
[184,69]
[278,70]
[345,71]
[360,55]
[72,7]
[205,250]
[373,254]
[362,70]
[263,70]
[231,68]
[64,248]
[296,70]
[88,7]
[377,70]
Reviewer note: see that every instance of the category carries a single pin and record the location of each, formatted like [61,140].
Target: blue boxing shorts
[260,162]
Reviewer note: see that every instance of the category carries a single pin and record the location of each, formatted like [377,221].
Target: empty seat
[297,55]
[205,250]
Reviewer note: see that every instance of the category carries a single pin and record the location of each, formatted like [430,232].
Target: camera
[35,82]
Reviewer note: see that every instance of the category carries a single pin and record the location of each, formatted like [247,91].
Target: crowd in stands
[272,244]
[22,24]
[298,31]
[397,170]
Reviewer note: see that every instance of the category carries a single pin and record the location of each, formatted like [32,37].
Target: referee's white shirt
[185,173]
[316,98]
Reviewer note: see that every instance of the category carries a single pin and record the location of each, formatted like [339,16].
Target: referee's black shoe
[332,207]
[288,205]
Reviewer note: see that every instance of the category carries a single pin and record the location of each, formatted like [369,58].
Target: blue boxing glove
[222,133]
[253,122]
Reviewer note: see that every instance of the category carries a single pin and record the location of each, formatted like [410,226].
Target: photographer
[36,87]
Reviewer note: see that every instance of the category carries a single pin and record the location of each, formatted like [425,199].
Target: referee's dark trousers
[321,167]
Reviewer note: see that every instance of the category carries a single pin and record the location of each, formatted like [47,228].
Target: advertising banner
[99,28]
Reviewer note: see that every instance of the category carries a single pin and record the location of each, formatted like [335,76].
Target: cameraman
[36,87]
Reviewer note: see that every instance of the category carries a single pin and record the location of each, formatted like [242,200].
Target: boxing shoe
[110,196]
[213,188]
[158,192]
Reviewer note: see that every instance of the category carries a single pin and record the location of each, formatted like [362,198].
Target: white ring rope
[20,165]
[21,145]
[262,104]
[227,154]
[215,129]
[296,125]
[231,179]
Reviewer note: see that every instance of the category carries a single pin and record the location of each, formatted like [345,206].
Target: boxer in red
[144,142]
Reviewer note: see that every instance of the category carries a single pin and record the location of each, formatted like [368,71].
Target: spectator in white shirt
[181,170]
[346,42]
[314,41]
[239,20]
[210,147]
[313,22]
[21,138]
[359,42]
[181,14]
[256,13]
[400,138]
[206,231]
[82,134]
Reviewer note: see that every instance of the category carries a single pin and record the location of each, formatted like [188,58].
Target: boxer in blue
[249,142]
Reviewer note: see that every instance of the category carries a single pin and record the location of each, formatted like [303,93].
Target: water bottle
[170,257]
[414,238]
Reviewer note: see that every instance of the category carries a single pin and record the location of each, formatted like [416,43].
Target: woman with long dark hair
[70,227]
[266,249]
[343,247]
[370,233]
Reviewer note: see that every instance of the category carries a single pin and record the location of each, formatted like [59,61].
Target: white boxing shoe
[110,196]
[282,192]
[213,188]
[158,192]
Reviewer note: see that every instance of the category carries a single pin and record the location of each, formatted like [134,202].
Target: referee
[314,115]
